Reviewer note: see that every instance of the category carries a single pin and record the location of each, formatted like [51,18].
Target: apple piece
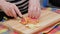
[24,20]
[27,20]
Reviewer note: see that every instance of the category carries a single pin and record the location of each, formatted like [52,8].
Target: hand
[10,9]
[34,9]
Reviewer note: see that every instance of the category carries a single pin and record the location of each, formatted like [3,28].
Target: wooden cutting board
[47,19]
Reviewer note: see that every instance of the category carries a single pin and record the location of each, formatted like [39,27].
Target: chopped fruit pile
[27,20]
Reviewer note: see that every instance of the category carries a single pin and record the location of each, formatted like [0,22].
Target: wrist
[34,2]
[2,2]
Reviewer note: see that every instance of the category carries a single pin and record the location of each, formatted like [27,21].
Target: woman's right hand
[10,9]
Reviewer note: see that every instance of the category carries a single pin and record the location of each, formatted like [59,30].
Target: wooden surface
[47,18]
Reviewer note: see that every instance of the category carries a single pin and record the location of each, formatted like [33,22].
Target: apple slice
[24,20]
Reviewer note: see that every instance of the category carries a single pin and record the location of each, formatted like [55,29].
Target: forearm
[34,1]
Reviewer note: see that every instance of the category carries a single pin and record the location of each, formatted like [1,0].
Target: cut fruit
[33,21]
[24,20]
[27,20]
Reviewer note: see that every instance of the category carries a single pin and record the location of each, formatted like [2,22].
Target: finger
[9,12]
[34,13]
[17,11]
[14,13]
[6,11]
[29,13]
[38,13]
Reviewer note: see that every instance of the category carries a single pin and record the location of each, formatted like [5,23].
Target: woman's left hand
[34,9]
